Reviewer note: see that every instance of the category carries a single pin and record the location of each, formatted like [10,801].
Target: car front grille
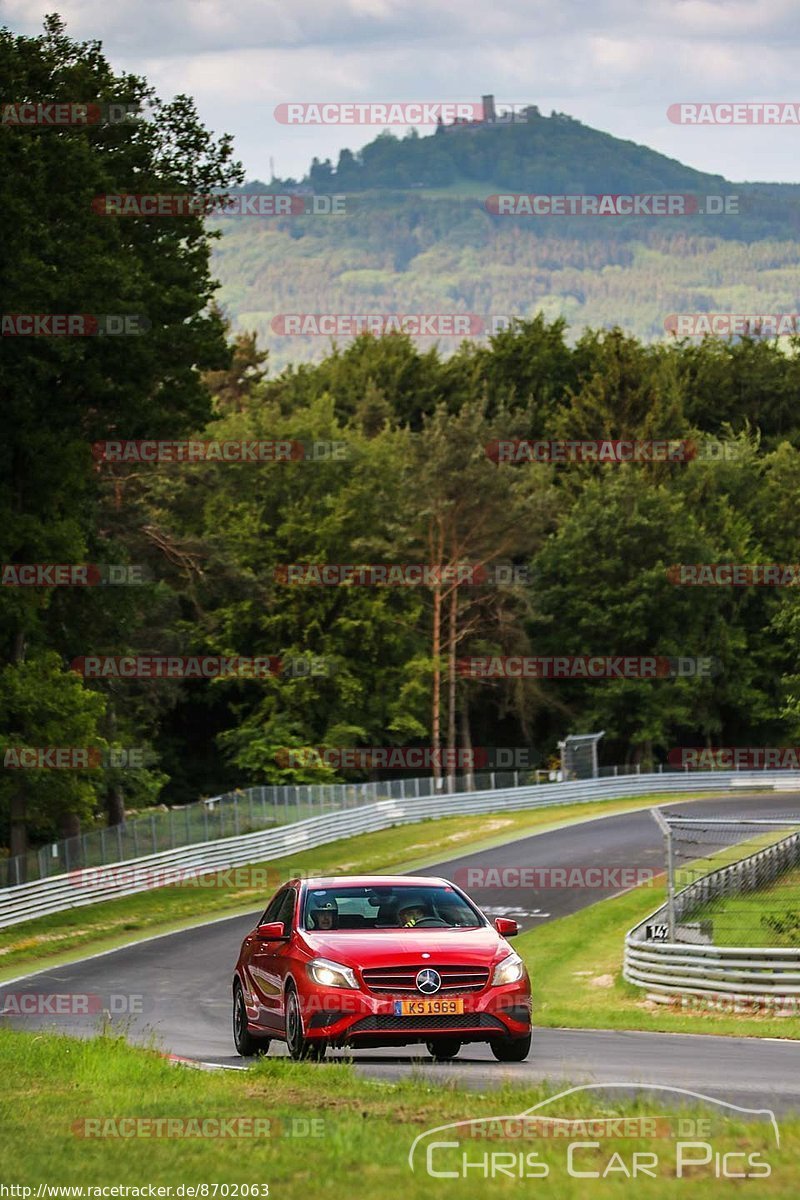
[386,1023]
[402,980]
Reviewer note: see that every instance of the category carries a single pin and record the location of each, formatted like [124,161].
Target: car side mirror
[506,927]
[273,931]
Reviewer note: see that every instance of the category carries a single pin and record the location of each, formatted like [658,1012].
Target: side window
[273,908]
[286,909]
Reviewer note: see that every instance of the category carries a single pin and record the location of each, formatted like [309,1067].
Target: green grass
[361,1131]
[112,923]
[747,919]
[575,965]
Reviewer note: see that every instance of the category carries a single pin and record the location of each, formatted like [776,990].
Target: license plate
[428,1008]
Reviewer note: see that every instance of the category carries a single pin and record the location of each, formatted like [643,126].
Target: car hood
[400,948]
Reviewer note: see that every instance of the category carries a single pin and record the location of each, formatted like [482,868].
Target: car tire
[443,1049]
[515,1049]
[300,1047]
[243,1039]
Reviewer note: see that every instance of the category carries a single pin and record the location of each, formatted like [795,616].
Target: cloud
[617,64]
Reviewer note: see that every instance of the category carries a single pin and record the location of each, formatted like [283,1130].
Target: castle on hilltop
[515,114]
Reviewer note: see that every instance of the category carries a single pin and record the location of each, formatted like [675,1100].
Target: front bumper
[359,1018]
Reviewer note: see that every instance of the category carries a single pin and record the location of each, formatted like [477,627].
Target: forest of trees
[414,485]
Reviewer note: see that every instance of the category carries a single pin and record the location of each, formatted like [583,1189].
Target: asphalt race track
[180,983]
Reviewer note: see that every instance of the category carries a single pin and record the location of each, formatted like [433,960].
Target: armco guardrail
[76,889]
[737,972]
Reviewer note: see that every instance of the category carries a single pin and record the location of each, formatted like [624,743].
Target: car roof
[333,881]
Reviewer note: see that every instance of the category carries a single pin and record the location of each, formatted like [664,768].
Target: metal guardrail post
[667,832]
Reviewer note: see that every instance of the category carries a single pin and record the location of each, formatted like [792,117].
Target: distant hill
[417,237]
[542,154]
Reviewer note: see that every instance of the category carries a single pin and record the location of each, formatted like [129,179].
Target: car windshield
[388,906]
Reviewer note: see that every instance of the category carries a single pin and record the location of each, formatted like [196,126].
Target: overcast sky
[613,64]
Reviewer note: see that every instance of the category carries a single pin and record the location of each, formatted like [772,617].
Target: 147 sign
[656,933]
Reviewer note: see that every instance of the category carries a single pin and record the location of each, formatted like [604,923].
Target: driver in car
[410,914]
[325,915]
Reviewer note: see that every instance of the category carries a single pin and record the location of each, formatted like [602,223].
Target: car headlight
[509,970]
[331,974]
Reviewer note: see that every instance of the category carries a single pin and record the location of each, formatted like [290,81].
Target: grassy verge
[767,917]
[576,969]
[323,1131]
[112,923]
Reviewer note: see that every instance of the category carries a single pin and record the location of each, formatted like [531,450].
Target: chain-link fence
[732,881]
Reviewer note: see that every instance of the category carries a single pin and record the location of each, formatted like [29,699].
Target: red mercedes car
[380,961]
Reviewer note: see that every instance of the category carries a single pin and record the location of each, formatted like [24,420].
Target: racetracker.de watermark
[735,112]
[377,112]
[141,877]
[175,666]
[202,666]
[706,324]
[734,574]
[192,451]
[541,878]
[73,324]
[72,1004]
[406,758]
[398,574]
[199,1128]
[611,450]
[725,1002]
[735,758]
[50,575]
[77,758]
[49,114]
[378,324]
[610,204]
[240,204]
[587,666]
[580,450]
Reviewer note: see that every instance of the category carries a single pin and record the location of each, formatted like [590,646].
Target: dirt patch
[602,981]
